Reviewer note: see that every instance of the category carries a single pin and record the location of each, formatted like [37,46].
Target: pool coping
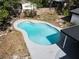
[35,21]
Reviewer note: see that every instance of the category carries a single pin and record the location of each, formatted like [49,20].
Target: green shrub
[66,12]
[3,14]
[40,3]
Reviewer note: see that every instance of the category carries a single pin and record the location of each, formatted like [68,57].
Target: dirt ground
[12,45]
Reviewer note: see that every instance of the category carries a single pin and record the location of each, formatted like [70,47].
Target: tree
[3,14]
[4,7]
[70,4]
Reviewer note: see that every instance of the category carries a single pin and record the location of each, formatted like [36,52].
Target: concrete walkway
[44,52]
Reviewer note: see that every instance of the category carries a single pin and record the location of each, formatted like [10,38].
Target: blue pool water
[40,33]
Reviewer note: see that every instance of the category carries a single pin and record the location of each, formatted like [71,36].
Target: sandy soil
[13,45]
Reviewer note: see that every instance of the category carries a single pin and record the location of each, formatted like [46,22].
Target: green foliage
[40,3]
[74,2]
[71,4]
[4,5]
[66,12]
[3,13]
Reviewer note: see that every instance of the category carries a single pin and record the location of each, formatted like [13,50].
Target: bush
[40,3]
[30,13]
[3,14]
[66,12]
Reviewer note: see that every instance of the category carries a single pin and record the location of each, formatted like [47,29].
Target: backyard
[13,46]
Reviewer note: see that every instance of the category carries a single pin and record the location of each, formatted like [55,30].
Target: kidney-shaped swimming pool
[40,33]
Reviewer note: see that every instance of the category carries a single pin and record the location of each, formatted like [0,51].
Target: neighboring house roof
[75,11]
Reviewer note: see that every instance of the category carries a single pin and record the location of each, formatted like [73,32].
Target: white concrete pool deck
[38,51]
